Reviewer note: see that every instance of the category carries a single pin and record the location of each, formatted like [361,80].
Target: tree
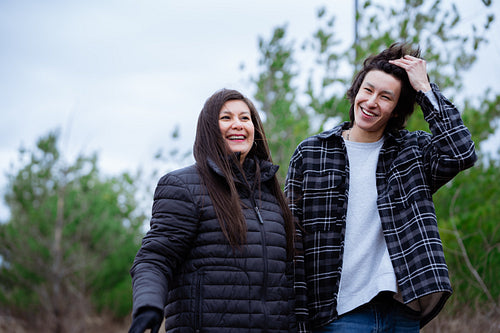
[286,121]
[70,239]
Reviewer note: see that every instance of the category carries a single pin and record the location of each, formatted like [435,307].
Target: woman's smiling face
[236,127]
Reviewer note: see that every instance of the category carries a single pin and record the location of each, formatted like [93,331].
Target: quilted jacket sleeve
[172,230]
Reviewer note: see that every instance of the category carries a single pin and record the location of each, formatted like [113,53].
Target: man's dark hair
[406,102]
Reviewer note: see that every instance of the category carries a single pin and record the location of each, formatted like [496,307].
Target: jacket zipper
[198,304]
[257,212]
[264,252]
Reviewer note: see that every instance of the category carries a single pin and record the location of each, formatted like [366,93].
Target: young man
[370,257]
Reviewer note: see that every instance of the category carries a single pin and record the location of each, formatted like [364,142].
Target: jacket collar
[267,169]
[336,131]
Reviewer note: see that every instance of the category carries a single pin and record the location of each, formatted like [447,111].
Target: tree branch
[464,250]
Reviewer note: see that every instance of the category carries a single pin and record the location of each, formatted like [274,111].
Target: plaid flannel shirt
[411,167]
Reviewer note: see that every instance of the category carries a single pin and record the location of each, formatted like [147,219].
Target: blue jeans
[382,314]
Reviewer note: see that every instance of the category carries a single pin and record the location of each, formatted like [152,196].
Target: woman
[217,256]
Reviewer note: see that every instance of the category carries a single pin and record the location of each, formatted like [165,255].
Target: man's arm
[293,191]
[450,149]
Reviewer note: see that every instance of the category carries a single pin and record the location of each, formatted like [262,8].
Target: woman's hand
[147,318]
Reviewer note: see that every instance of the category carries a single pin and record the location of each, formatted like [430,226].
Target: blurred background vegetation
[72,234]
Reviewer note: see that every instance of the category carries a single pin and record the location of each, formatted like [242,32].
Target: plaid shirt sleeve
[451,148]
[293,191]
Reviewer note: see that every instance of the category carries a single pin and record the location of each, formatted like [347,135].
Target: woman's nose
[237,124]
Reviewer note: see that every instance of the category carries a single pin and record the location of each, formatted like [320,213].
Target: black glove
[147,318]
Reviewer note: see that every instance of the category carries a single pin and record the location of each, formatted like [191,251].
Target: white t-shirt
[367,268]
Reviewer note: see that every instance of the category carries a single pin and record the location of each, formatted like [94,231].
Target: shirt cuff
[430,95]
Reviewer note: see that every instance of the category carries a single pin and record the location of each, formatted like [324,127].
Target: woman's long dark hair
[210,145]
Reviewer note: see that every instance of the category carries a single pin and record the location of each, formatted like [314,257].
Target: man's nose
[372,101]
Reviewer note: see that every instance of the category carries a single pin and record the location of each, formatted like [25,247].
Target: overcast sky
[116,76]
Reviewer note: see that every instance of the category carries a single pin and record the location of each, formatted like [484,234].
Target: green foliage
[480,119]
[285,122]
[468,209]
[326,90]
[71,237]
[435,26]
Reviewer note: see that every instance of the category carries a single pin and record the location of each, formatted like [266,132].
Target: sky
[116,77]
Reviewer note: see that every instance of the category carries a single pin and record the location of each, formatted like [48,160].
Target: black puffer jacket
[186,265]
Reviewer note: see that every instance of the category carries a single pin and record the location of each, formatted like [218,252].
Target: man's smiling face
[373,106]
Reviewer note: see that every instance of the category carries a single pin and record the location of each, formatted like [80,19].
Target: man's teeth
[368,113]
